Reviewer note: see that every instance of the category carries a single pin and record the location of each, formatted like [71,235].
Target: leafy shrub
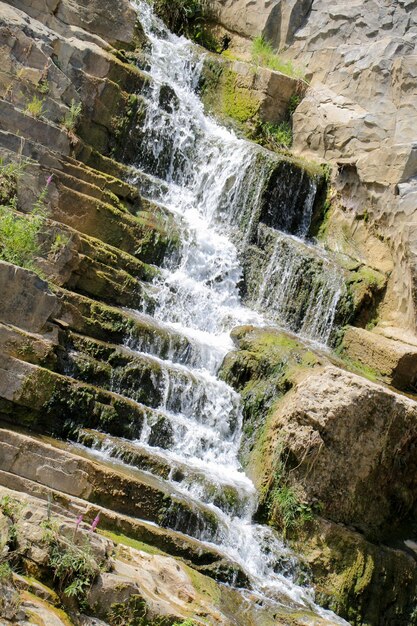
[263,54]
[73,567]
[19,237]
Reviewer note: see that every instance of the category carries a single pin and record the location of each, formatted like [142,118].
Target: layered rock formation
[69,82]
[331,452]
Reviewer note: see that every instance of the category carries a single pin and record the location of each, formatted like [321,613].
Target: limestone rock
[358,113]
[26,300]
[237,93]
[343,438]
[115,22]
[393,360]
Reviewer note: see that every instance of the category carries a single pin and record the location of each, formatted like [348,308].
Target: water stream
[208,178]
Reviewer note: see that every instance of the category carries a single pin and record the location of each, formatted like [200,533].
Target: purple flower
[49,180]
[95,523]
[77,525]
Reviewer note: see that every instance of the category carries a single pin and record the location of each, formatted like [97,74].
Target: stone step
[223,494]
[133,493]
[199,555]
[112,183]
[48,402]
[140,332]
[149,380]
[37,130]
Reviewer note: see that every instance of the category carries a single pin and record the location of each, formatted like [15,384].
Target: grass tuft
[263,54]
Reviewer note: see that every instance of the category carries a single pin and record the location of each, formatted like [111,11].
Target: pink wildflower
[95,523]
[49,180]
[77,525]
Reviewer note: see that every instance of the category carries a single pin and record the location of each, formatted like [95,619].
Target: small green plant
[187,622]
[60,242]
[277,136]
[283,503]
[43,87]
[19,237]
[289,509]
[263,54]
[10,507]
[293,103]
[72,116]
[73,566]
[35,107]
[6,572]
[19,233]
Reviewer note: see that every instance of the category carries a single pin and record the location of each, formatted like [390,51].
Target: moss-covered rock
[303,422]
[244,95]
[367,584]
[263,369]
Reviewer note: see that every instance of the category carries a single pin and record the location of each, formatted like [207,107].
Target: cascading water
[205,176]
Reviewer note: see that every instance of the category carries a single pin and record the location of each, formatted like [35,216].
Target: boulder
[348,447]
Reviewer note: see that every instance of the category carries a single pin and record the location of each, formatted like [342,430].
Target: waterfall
[214,183]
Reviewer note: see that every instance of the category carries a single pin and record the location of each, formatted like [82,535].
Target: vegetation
[19,234]
[35,107]
[276,136]
[187,17]
[263,54]
[288,509]
[43,86]
[284,506]
[73,566]
[72,116]
[238,103]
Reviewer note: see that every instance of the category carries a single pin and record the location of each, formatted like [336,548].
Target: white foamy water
[208,177]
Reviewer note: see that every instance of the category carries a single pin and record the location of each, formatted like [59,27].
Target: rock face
[394,362]
[126,579]
[333,455]
[245,98]
[276,21]
[91,17]
[37,306]
[357,114]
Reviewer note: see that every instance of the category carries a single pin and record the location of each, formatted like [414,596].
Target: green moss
[120,539]
[226,98]
[238,103]
[359,368]
[59,613]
